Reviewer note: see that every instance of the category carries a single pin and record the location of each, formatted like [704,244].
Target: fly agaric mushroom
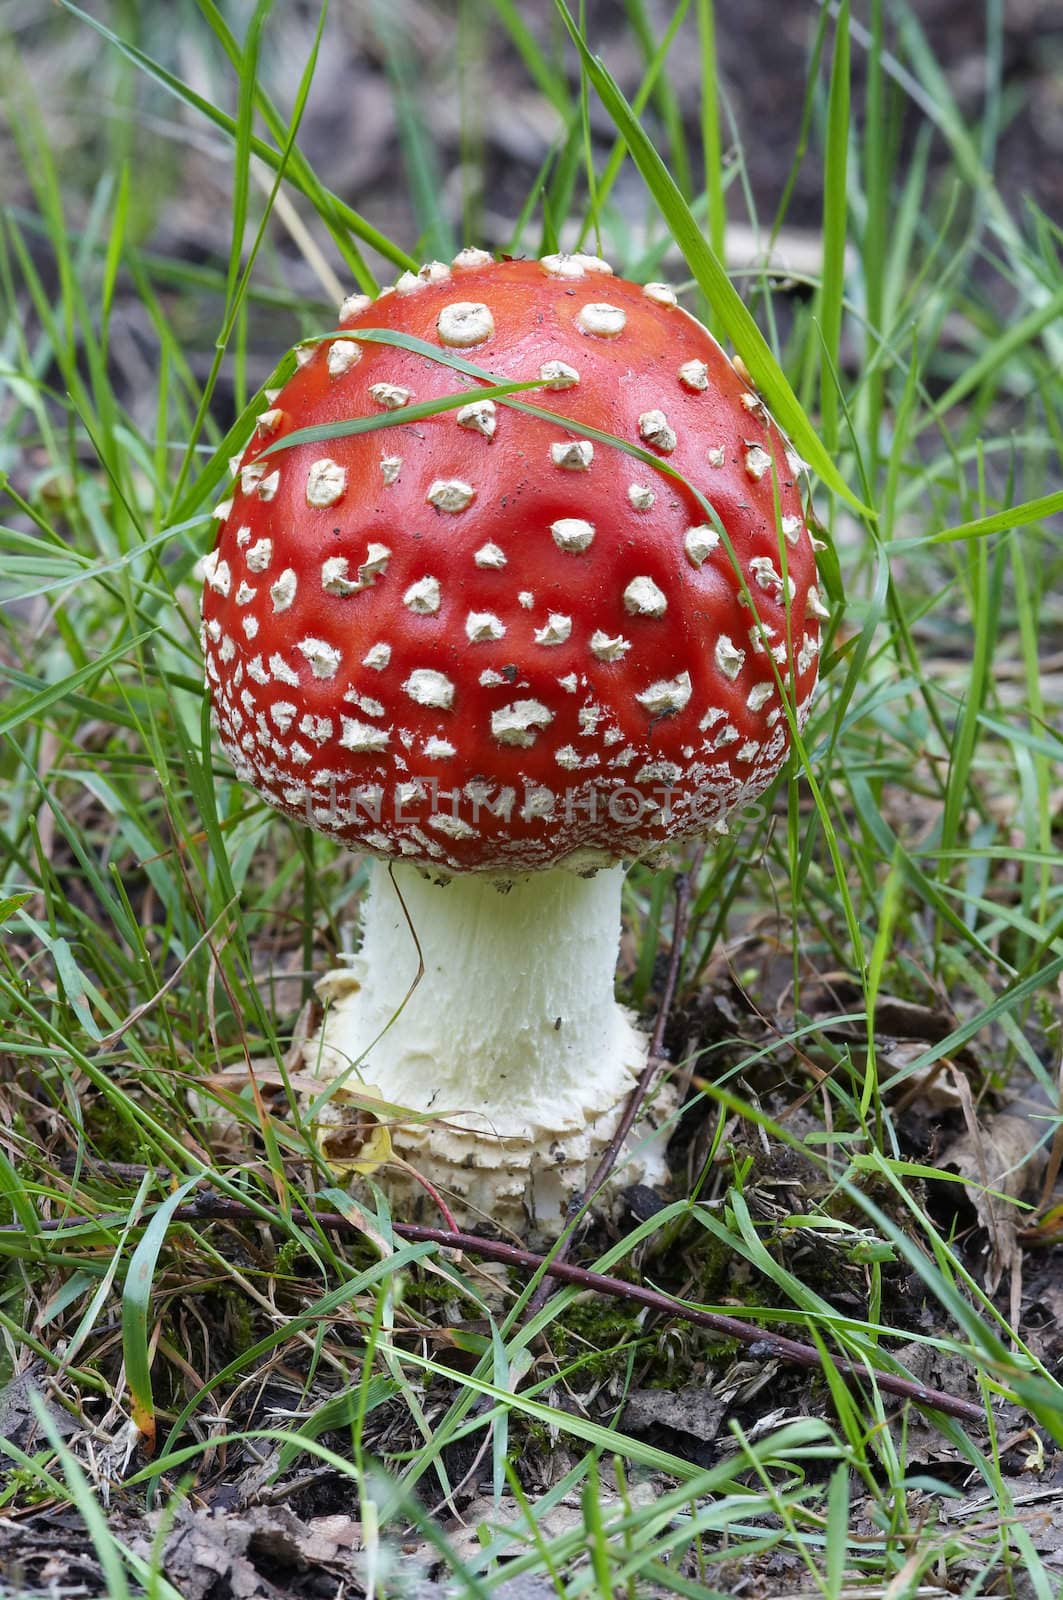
[502,657]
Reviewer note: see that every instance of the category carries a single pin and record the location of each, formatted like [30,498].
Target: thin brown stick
[763,1345]
[638,1094]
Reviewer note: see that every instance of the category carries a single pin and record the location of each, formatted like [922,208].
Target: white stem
[513,1028]
[512,1038]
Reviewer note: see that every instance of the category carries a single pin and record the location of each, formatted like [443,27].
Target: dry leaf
[994,1158]
[208,1553]
[693,1410]
[350,1136]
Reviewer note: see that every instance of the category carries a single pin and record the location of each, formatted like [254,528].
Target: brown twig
[763,1345]
[638,1094]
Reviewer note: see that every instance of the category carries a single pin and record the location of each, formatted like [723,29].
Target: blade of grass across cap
[445,358]
[459,364]
[136,1304]
[421,347]
[734,317]
[399,417]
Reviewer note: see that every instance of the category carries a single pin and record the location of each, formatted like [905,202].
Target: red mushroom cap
[482,640]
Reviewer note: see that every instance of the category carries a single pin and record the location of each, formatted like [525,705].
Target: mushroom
[503,657]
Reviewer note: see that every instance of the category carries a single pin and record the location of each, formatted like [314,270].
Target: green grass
[160,925]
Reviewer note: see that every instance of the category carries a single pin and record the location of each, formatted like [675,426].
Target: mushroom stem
[512,1037]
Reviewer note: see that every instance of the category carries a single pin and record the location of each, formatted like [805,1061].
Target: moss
[239,1323]
[597,1333]
[286,1257]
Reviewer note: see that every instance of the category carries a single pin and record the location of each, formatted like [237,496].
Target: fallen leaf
[350,1135]
[999,1163]
[242,1555]
[693,1410]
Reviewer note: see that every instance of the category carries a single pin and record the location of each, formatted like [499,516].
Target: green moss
[596,1333]
[238,1320]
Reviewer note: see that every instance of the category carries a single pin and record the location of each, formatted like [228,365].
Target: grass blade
[136,1308]
[733,315]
